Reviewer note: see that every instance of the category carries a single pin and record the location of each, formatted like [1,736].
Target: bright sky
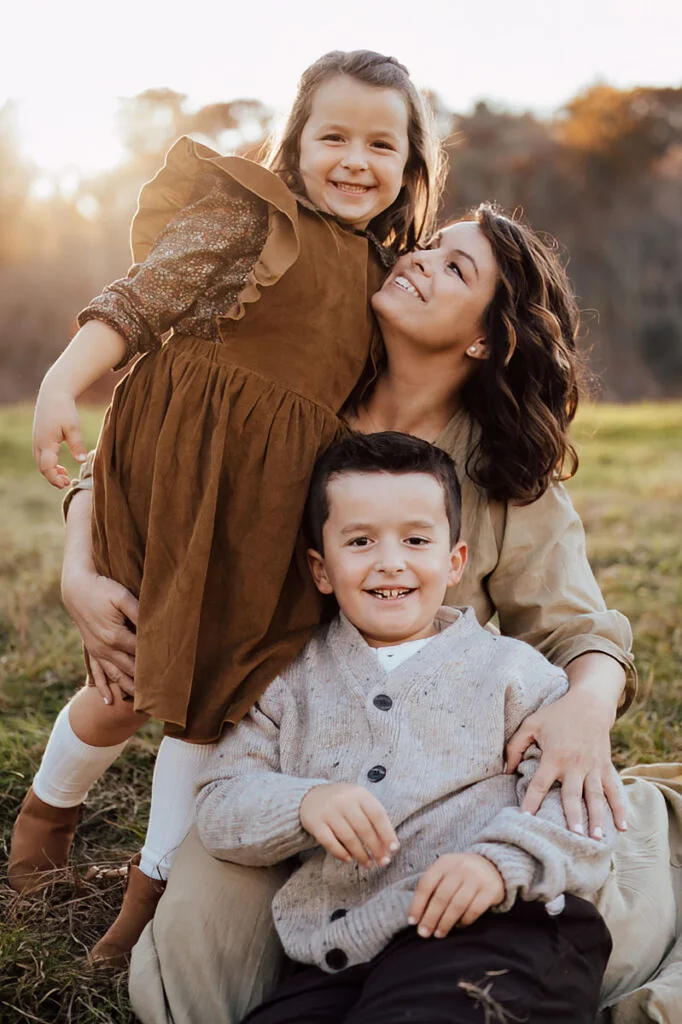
[69,60]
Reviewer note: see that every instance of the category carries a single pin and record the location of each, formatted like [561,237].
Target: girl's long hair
[525,394]
[411,216]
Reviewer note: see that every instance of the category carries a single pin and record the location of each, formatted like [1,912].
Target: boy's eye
[417,541]
[359,542]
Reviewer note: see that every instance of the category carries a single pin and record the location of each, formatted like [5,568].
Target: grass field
[629,492]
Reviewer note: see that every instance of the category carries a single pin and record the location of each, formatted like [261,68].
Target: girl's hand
[457,889]
[349,823]
[56,420]
[573,735]
[102,609]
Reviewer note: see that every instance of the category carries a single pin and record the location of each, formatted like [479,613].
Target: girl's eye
[454,266]
[333,137]
[382,145]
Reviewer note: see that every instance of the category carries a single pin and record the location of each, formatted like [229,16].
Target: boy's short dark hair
[385,452]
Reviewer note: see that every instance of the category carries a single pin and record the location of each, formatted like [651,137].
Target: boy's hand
[349,823]
[457,889]
[56,420]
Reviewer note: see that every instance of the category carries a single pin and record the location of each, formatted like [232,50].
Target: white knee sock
[69,766]
[172,813]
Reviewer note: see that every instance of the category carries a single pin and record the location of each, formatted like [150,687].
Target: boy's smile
[387,553]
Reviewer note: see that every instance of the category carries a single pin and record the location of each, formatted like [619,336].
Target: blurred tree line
[603,176]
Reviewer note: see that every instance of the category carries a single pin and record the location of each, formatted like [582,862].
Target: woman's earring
[472,350]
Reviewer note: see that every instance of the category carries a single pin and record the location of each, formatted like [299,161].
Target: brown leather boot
[41,840]
[139,906]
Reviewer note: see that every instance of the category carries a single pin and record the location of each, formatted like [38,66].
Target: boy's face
[387,554]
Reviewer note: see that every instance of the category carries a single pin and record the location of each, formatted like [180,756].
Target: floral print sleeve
[194,272]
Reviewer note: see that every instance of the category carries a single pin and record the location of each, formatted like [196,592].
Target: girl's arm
[95,349]
[191,274]
[546,594]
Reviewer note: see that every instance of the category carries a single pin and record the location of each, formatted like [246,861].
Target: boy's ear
[316,564]
[458,559]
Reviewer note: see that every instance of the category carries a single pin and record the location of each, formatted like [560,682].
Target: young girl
[202,468]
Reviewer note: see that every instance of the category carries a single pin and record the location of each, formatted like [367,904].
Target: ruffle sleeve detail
[209,232]
[173,187]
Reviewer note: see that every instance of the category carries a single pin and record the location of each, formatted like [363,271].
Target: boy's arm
[247,812]
[537,855]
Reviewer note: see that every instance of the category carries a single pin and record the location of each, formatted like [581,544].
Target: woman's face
[437,296]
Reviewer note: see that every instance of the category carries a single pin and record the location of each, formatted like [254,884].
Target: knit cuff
[516,867]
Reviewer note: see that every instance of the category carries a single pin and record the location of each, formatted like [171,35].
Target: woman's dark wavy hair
[525,394]
[412,214]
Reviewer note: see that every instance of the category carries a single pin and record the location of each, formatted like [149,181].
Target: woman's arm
[101,608]
[546,594]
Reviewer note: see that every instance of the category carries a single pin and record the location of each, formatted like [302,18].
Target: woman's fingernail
[579,829]
[394,846]
[384,862]
[105,699]
[424,932]
[81,458]
[412,920]
[439,935]
[623,826]
[597,833]
[504,768]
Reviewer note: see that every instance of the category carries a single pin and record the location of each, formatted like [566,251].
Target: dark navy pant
[524,966]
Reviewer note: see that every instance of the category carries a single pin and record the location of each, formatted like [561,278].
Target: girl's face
[438,296]
[354,148]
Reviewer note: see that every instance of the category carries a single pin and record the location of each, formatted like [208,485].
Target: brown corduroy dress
[206,452]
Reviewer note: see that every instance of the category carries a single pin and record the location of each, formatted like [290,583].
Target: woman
[480,357]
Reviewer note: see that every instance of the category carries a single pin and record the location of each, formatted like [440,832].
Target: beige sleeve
[82,483]
[545,592]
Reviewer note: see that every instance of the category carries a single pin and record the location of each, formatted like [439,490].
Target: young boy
[377,759]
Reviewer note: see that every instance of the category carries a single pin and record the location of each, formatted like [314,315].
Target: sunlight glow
[63,137]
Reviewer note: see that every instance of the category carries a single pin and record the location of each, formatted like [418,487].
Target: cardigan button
[336,959]
[383,702]
[336,914]
[377,773]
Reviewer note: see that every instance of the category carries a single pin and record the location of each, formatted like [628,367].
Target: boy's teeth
[403,283]
[391,593]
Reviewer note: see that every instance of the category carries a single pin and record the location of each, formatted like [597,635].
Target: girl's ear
[458,559]
[317,568]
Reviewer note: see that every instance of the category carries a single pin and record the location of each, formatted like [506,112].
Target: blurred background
[571,112]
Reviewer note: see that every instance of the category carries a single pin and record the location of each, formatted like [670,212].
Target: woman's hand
[574,736]
[56,420]
[101,610]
